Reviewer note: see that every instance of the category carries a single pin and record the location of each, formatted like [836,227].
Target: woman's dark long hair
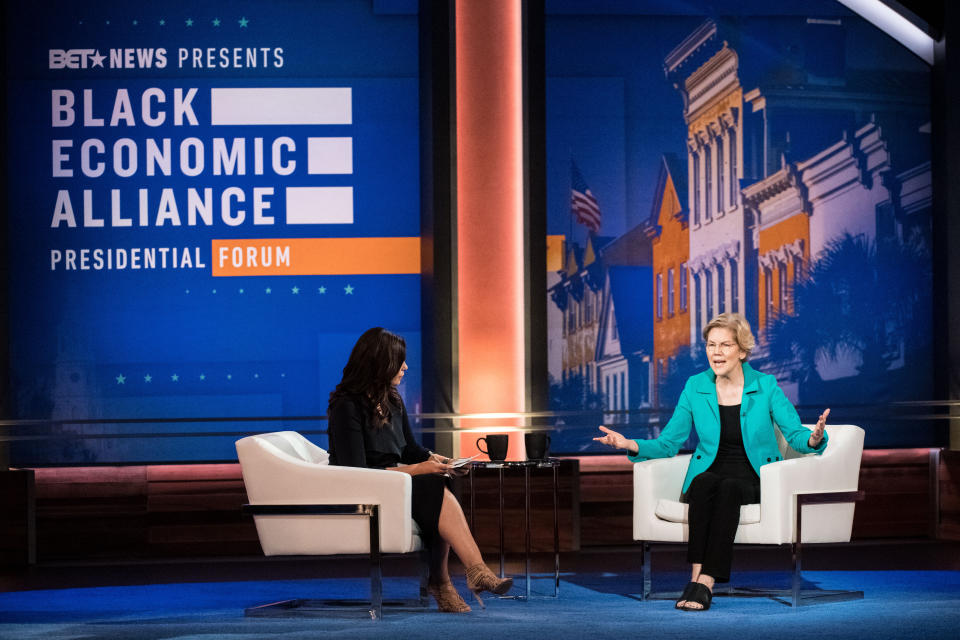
[374,362]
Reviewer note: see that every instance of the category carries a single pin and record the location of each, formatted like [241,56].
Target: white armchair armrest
[653,480]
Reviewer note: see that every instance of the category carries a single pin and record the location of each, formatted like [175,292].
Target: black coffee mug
[496,446]
[537,444]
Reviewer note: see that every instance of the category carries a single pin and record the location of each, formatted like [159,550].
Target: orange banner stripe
[315,256]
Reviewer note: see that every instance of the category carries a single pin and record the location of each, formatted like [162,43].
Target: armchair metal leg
[647,570]
[376,572]
[310,608]
[799,596]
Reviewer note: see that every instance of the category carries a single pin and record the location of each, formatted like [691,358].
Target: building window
[587,306]
[721,289]
[708,278]
[708,179]
[696,300]
[721,183]
[670,292]
[734,182]
[615,402]
[783,290]
[623,391]
[797,277]
[734,287]
[886,223]
[768,292]
[571,316]
[606,391]
[695,172]
[683,286]
[659,295]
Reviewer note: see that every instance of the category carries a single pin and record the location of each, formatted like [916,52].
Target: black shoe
[700,594]
[685,595]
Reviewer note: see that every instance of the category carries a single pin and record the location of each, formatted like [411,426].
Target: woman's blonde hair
[736,323]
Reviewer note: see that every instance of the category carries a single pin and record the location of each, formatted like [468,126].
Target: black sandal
[685,595]
[700,594]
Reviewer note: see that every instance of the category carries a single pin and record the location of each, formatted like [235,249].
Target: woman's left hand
[436,457]
[816,435]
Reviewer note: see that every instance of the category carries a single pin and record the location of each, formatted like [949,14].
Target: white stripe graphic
[329,155]
[319,205]
[295,105]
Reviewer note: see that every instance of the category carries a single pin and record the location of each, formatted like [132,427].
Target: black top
[356,442]
[731,457]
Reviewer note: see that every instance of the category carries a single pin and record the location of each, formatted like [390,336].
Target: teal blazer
[763,404]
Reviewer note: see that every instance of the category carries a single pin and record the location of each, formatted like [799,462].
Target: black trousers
[713,516]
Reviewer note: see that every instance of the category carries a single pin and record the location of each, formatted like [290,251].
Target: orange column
[490,250]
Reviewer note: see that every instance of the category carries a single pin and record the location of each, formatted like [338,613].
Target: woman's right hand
[615,440]
[433,466]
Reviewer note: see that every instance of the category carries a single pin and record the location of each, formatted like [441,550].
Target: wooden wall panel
[948,477]
[17,517]
[102,513]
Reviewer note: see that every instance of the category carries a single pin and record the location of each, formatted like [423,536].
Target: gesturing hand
[816,435]
[615,440]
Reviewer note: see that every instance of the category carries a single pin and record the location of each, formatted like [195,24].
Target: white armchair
[304,506]
[820,488]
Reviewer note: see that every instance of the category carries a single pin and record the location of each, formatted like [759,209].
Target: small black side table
[526,465]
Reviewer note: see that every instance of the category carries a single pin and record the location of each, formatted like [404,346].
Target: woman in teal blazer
[734,408]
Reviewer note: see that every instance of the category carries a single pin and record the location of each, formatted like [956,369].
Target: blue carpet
[898,604]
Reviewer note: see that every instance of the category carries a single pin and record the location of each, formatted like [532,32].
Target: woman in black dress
[368,427]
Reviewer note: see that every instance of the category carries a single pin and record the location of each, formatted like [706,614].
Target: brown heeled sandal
[480,578]
[448,600]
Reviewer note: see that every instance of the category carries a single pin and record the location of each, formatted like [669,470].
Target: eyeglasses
[722,347]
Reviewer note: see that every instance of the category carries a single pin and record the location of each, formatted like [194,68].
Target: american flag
[585,207]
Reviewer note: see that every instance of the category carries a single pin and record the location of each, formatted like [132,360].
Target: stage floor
[912,590]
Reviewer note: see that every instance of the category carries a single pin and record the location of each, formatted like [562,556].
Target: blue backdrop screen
[206,206]
[771,159]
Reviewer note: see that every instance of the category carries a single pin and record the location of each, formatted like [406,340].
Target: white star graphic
[121,379]
[256,375]
[203,376]
[348,290]
[295,290]
[147,378]
[97,59]
[241,290]
[189,22]
[175,377]
[229,376]
[243,22]
[322,290]
[269,290]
